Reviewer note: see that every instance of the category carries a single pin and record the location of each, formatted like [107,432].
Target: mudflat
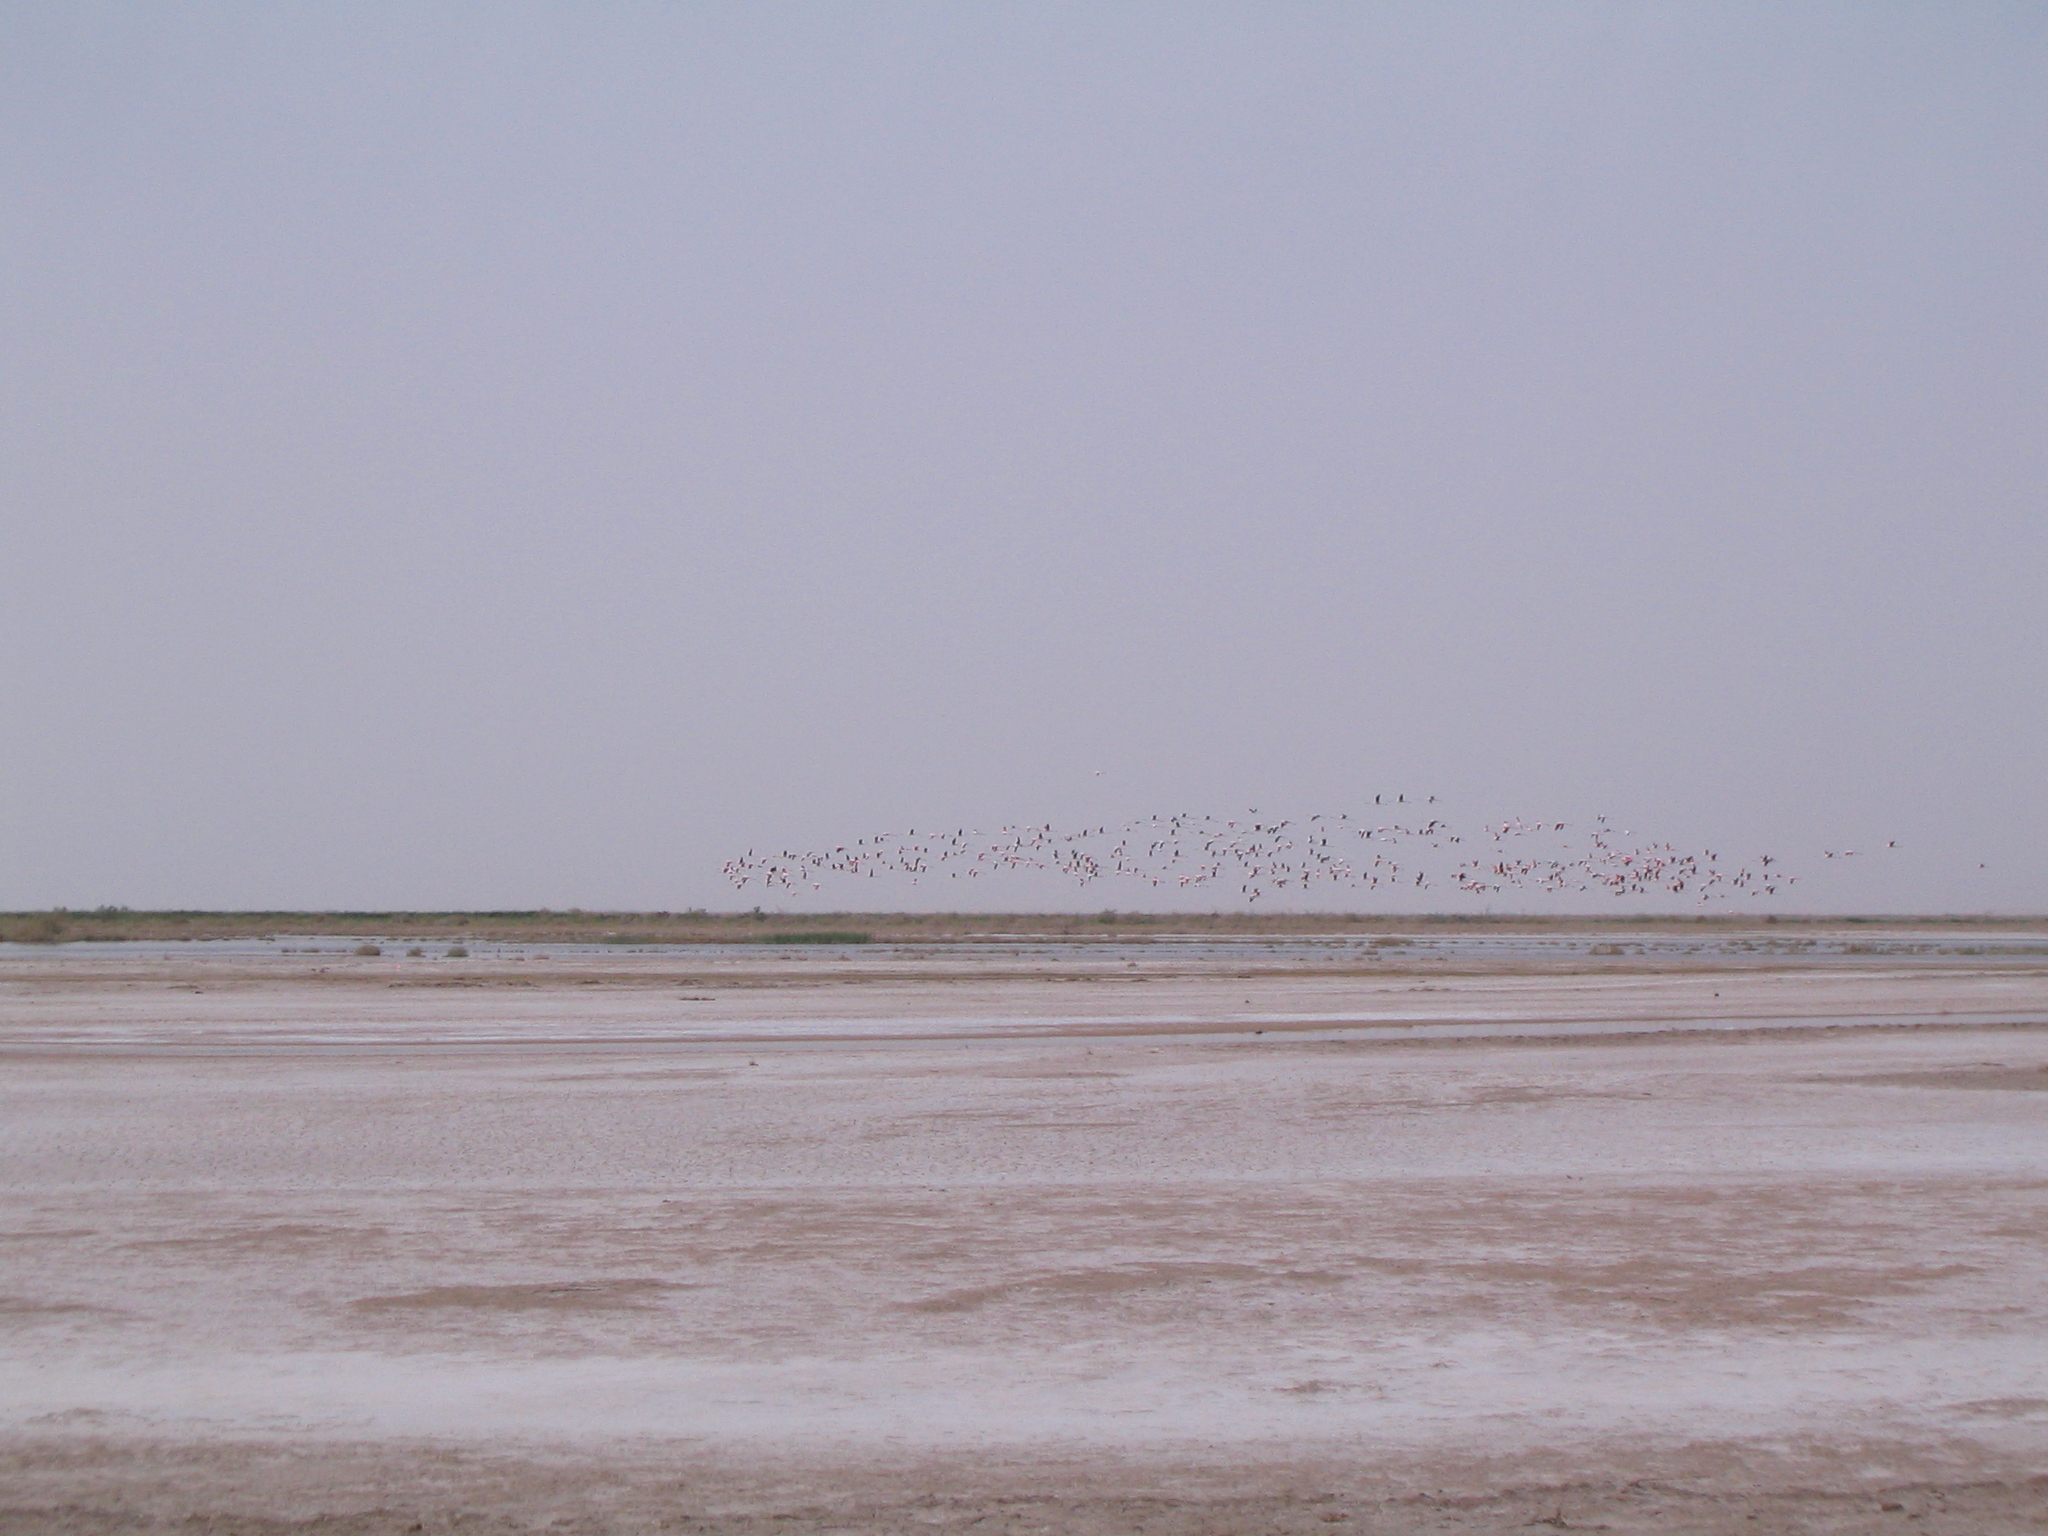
[1207,1238]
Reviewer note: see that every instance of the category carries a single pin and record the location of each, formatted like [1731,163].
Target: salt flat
[1035,1234]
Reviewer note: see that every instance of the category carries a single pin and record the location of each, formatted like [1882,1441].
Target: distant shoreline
[103,925]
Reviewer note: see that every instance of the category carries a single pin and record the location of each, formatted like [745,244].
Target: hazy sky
[503,456]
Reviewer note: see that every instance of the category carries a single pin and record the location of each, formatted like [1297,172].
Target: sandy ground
[1016,1242]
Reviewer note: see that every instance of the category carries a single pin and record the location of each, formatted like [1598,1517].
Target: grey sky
[515,456]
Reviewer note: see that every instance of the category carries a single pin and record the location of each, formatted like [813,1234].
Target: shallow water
[1454,947]
[223,995]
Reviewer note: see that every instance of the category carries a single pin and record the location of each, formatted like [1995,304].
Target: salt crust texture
[845,1243]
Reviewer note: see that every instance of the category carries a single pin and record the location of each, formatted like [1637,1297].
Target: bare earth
[1036,1238]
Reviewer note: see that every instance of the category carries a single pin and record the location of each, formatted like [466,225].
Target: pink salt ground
[825,1238]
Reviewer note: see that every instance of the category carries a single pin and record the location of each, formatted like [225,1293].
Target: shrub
[44,928]
[368,949]
[817,938]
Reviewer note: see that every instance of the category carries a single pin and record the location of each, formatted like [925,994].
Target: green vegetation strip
[109,924]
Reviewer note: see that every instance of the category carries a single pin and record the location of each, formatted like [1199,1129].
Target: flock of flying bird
[1261,856]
